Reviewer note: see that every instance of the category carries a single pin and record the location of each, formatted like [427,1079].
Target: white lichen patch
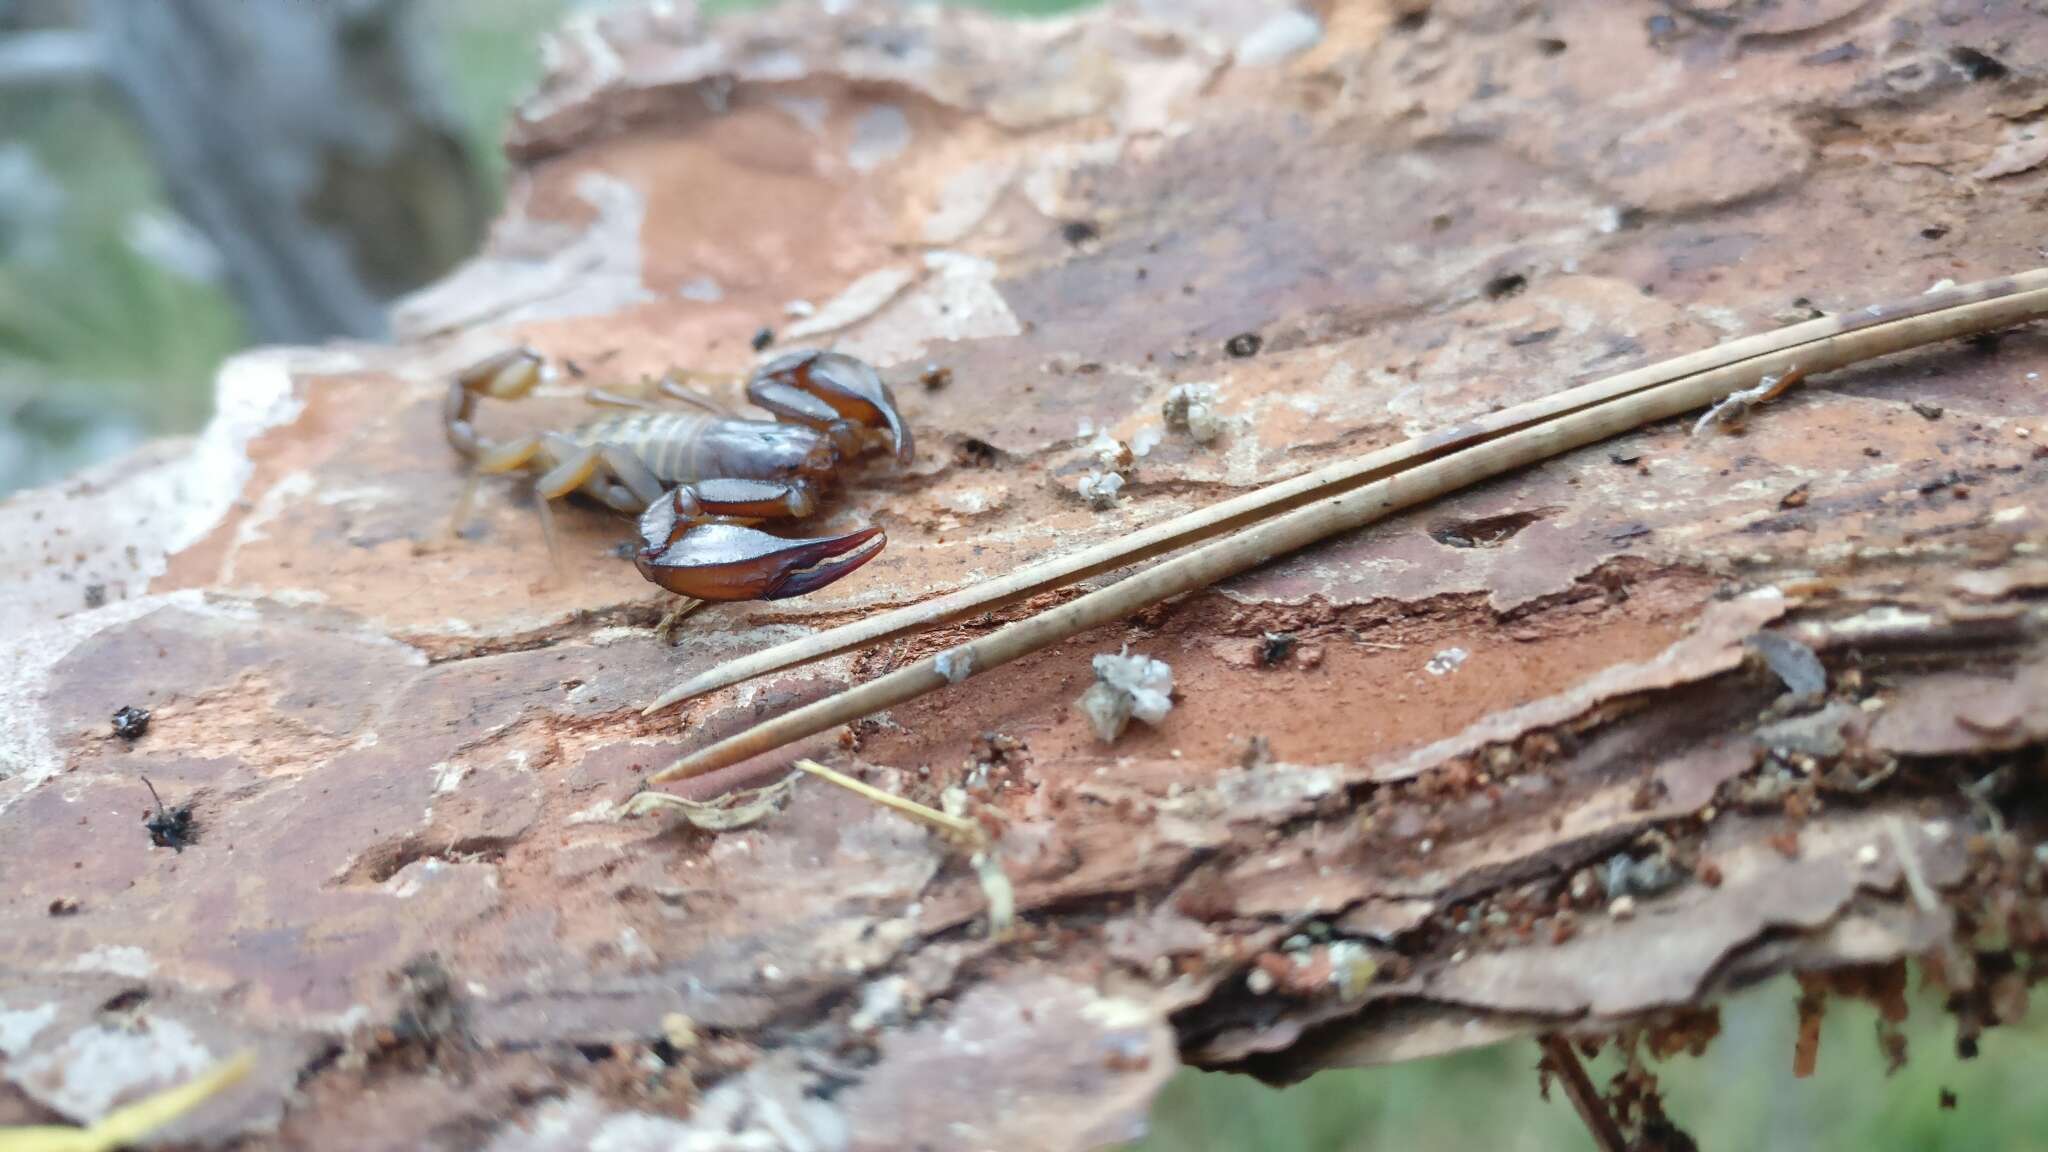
[1126,687]
[117,960]
[1191,409]
[1446,661]
[97,1066]
[19,1027]
[861,299]
[1100,489]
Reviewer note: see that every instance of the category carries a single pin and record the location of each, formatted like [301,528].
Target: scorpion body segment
[701,479]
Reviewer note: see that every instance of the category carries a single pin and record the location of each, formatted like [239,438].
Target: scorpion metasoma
[700,479]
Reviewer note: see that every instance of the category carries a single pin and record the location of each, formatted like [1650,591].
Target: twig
[1357,506]
[130,1125]
[958,828]
[1759,354]
[1564,1063]
[1909,866]
[965,833]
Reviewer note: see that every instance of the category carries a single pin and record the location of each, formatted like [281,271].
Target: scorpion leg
[570,466]
[693,546]
[672,385]
[630,486]
[508,376]
[834,393]
[606,398]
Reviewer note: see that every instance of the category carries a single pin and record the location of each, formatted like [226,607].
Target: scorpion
[699,480]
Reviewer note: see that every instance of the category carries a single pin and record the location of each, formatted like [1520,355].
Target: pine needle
[1370,489]
[1759,355]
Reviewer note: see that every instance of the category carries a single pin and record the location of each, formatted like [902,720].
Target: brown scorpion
[699,480]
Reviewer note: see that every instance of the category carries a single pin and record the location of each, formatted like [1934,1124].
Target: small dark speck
[935,376]
[1952,480]
[763,338]
[1929,411]
[1550,46]
[1244,344]
[1624,457]
[64,906]
[1933,232]
[1275,647]
[1524,339]
[95,595]
[1412,21]
[1502,287]
[1978,65]
[1872,452]
[1840,54]
[131,722]
[1628,532]
[1948,1100]
[1079,232]
[573,368]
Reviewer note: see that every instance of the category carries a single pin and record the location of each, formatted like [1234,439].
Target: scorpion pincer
[700,479]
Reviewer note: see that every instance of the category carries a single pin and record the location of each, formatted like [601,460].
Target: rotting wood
[1427,475]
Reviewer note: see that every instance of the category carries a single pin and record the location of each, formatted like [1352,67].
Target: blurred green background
[113,317]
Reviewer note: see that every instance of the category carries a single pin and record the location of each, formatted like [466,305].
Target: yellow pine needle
[125,1126]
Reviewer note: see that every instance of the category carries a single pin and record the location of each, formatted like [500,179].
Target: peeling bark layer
[1523,759]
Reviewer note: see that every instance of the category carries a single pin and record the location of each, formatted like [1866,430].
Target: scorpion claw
[814,387]
[733,562]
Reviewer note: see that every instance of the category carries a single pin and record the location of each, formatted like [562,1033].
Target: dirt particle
[65,906]
[1977,65]
[1502,287]
[1079,232]
[763,337]
[1276,647]
[131,722]
[1244,345]
[1927,410]
[935,376]
[169,827]
[1796,498]
[974,453]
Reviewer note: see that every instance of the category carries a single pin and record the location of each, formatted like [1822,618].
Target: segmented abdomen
[685,447]
[669,443]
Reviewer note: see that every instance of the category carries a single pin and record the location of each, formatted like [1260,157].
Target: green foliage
[1740,1095]
[99,325]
